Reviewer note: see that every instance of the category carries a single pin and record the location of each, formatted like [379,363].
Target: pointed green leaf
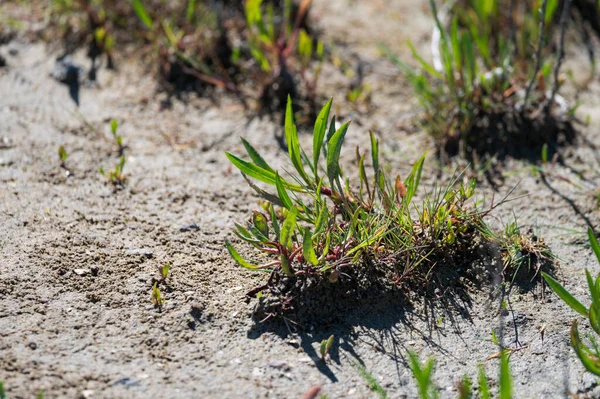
[375,152]
[594,243]
[565,295]
[283,195]
[592,287]
[319,133]
[291,137]
[241,261]
[331,130]
[424,64]
[259,173]
[256,157]
[139,9]
[334,150]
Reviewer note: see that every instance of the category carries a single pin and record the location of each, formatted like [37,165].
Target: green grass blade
[191,9]
[319,134]
[595,317]
[334,150]
[594,243]
[482,380]
[591,286]
[455,41]
[259,173]
[505,377]
[421,374]
[140,11]
[236,256]
[291,137]
[282,194]
[565,295]
[375,152]
[414,179]
[371,381]
[424,64]
[331,130]
[256,157]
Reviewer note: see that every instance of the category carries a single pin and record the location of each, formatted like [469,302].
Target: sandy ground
[77,260]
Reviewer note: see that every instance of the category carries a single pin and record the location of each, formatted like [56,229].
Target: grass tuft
[325,236]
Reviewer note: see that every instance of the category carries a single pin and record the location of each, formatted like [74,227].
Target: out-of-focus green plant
[283,51]
[588,353]
[484,65]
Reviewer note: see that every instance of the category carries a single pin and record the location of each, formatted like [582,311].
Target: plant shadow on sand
[384,319]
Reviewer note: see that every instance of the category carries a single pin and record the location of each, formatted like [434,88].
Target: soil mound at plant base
[315,301]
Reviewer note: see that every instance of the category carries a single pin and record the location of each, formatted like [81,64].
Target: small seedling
[116,176]
[62,155]
[589,354]
[2,391]
[325,347]
[157,298]
[114,125]
[164,271]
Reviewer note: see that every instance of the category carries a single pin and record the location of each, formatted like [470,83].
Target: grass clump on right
[328,244]
[588,348]
[492,87]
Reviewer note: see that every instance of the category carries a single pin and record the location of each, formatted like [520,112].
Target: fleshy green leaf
[565,295]
[307,248]
[260,222]
[288,227]
[285,266]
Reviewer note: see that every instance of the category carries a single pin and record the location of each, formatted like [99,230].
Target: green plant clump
[588,353]
[492,86]
[324,236]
